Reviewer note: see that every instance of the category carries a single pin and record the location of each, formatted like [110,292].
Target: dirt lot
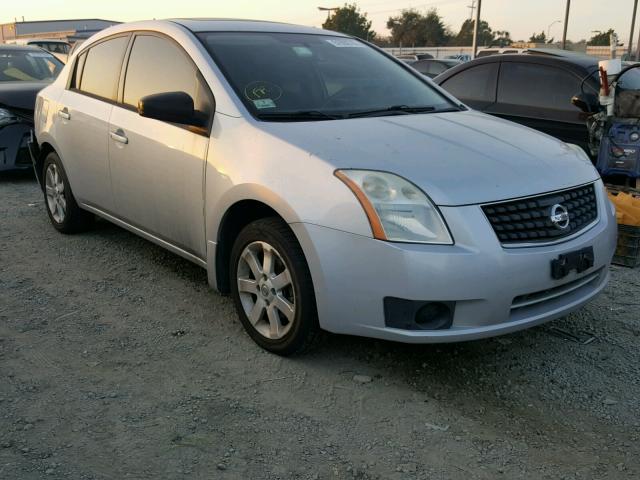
[117,361]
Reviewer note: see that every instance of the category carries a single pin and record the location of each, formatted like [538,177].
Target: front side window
[157,65]
[102,68]
[476,83]
[279,73]
[542,86]
[28,66]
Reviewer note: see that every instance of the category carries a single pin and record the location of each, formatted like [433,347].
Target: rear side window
[77,71]
[102,68]
[158,65]
[476,83]
[537,85]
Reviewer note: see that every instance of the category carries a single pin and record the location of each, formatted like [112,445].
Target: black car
[531,89]
[433,67]
[24,71]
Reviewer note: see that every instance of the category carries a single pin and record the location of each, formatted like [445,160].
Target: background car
[413,57]
[24,71]
[532,89]
[463,57]
[59,48]
[434,67]
[485,52]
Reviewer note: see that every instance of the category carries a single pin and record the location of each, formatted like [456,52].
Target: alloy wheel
[54,188]
[266,290]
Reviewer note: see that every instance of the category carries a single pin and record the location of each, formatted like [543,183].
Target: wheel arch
[45,149]
[244,205]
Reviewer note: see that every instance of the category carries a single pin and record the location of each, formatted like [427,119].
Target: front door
[158,167]
[539,96]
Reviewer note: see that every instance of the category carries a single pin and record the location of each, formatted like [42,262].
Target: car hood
[20,95]
[457,158]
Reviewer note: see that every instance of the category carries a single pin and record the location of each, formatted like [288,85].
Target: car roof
[577,63]
[47,40]
[27,48]
[239,25]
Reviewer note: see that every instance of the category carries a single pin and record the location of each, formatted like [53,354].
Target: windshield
[28,66]
[276,74]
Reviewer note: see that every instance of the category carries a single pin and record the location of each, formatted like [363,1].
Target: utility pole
[472,7]
[475,29]
[633,25]
[566,24]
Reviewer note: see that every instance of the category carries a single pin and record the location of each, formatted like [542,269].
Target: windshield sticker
[264,103]
[261,90]
[303,51]
[345,42]
[39,54]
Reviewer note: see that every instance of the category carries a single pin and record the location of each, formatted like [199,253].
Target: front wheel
[65,214]
[272,288]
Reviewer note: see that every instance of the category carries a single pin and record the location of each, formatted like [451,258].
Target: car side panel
[82,145]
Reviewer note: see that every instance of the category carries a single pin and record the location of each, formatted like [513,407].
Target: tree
[538,38]
[502,38]
[349,20]
[601,38]
[465,35]
[411,28]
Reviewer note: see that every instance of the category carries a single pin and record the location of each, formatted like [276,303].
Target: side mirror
[587,102]
[174,107]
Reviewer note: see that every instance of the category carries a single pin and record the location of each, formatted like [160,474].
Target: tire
[65,214]
[286,322]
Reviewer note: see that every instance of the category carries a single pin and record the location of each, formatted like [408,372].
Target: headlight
[6,117]
[397,210]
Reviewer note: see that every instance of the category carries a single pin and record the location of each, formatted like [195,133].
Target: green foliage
[413,29]
[485,35]
[601,38]
[349,20]
[538,38]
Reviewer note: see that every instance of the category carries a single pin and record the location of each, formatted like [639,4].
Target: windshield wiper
[299,116]
[402,110]
[393,110]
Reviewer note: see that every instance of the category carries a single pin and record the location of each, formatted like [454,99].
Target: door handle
[119,136]
[64,113]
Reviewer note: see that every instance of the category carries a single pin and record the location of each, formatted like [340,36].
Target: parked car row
[321,183]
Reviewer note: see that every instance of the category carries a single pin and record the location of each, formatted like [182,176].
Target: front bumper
[496,290]
[14,153]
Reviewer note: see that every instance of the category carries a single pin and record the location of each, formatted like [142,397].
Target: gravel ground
[117,361]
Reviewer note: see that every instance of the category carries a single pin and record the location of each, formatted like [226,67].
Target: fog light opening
[434,316]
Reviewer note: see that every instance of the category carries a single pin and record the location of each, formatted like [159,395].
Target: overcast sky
[520,17]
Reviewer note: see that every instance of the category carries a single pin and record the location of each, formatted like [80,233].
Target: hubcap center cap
[266,290]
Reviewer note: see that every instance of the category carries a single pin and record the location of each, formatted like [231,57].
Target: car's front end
[478,286]
[24,71]
[15,132]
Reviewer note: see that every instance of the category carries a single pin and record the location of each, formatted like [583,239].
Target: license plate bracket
[579,260]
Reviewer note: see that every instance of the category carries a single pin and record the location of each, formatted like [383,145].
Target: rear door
[539,96]
[82,127]
[157,167]
[475,86]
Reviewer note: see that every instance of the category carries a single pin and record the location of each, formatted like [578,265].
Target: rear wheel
[272,288]
[65,214]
